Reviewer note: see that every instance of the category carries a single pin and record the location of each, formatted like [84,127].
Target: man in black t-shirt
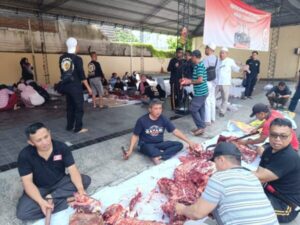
[42,167]
[279,170]
[96,77]
[72,76]
[251,78]
[175,68]
[279,94]
[296,97]
[149,131]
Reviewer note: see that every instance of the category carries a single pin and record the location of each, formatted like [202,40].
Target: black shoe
[249,97]
[221,115]
[69,128]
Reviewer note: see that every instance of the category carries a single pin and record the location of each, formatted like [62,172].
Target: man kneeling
[42,169]
[149,130]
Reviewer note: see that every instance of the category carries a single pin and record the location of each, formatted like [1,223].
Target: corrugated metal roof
[155,15]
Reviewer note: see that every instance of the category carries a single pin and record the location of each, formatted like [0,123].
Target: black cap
[226,148]
[258,108]
[196,53]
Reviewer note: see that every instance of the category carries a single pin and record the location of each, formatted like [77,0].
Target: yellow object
[257,123]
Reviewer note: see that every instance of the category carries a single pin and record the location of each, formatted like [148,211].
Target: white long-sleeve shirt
[224,70]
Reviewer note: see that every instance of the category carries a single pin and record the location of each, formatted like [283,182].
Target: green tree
[125,36]
[172,43]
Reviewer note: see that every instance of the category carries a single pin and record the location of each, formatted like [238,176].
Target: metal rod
[32,50]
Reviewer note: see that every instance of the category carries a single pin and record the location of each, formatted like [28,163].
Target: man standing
[233,194]
[199,82]
[175,67]
[279,94]
[279,170]
[72,76]
[96,76]
[225,66]
[42,166]
[210,63]
[296,97]
[149,131]
[252,75]
[263,113]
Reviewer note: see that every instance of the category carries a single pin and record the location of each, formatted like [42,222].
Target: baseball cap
[196,53]
[224,49]
[226,148]
[212,46]
[71,44]
[258,108]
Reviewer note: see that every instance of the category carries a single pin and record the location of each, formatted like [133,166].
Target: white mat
[148,209]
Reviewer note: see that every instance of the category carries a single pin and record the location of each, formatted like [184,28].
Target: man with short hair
[225,66]
[279,94]
[42,167]
[199,82]
[210,63]
[233,194]
[252,74]
[263,113]
[72,78]
[95,76]
[188,65]
[296,97]
[175,68]
[149,131]
[279,170]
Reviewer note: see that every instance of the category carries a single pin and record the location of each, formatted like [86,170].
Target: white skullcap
[71,44]
[212,46]
[224,49]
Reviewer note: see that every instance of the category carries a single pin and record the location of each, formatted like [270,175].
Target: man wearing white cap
[210,63]
[72,78]
[225,66]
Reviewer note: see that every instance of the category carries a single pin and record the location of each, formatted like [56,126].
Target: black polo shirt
[45,173]
[254,67]
[286,165]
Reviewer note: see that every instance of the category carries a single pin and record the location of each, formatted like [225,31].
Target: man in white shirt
[225,66]
[210,63]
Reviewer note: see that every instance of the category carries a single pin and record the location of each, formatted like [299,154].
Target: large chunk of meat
[135,200]
[86,204]
[86,219]
[113,214]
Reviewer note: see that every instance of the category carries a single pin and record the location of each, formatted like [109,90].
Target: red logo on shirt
[57,157]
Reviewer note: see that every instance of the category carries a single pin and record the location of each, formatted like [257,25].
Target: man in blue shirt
[149,131]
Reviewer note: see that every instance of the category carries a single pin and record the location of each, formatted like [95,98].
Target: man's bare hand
[179,208]
[44,205]
[126,154]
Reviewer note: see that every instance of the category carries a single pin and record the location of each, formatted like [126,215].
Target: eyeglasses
[280,136]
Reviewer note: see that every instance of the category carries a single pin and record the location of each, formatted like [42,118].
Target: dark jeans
[284,212]
[197,109]
[165,149]
[74,97]
[28,209]
[295,100]
[281,101]
[176,94]
[250,83]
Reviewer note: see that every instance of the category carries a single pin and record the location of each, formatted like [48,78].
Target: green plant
[125,36]
[173,43]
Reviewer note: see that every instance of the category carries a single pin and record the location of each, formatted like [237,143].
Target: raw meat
[86,204]
[86,219]
[190,179]
[113,214]
[135,200]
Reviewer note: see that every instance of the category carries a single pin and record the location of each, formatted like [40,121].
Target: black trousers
[295,100]
[28,209]
[176,94]
[284,212]
[74,98]
[250,81]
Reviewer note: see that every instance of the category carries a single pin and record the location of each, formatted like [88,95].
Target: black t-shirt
[278,92]
[95,70]
[72,63]
[286,165]
[152,131]
[176,72]
[254,66]
[45,173]
[27,73]
[119,86]
[155,92]
[188,68]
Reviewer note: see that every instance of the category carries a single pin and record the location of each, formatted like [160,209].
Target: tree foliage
[125,36]
[172,43]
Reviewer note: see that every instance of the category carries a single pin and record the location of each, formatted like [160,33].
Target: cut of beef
[86,219]
[135,200]
[133,221]
[113,214]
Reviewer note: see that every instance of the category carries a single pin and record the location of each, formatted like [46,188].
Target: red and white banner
[234,24]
